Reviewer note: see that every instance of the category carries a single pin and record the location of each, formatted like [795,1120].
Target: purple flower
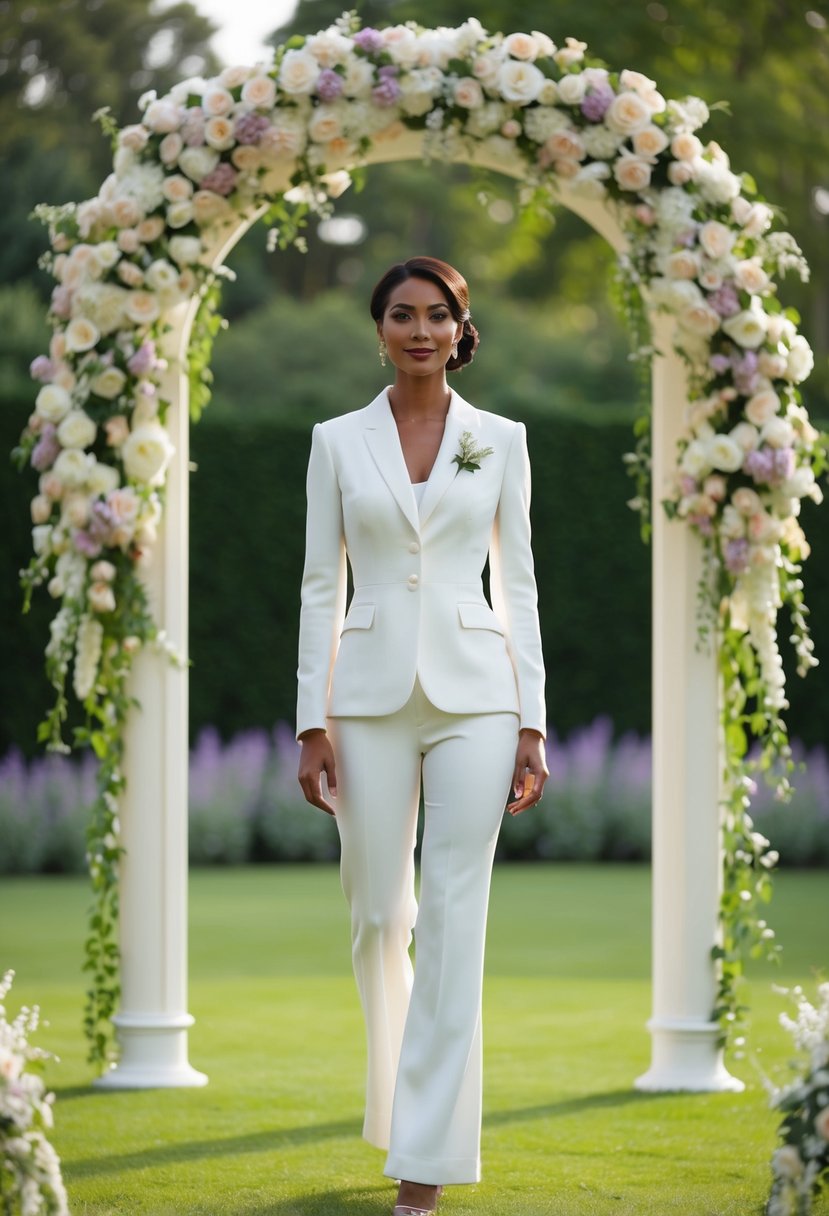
[221,180]
[702,523]
[759,464]
[736,556]
[725,300]
[597,102]
[369,40]
[388,90]
[101,521]
[42,368]
[784,463]
[85,544]
[249,128]
[46,450]
[688,484]
[719,364]
[192,129]
[61,301]
[329,85]
[746,364]
[143,360]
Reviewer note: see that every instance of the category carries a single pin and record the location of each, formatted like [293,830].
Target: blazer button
[414,547]
[413,581]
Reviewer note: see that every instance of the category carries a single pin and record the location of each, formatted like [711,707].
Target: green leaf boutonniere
[469,457]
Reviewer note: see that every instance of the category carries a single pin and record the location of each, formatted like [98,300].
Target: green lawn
[279,1032]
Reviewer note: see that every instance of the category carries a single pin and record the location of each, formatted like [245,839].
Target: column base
[153,1053]
[685,1057]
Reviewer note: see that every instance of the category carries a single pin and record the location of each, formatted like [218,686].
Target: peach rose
[762,406]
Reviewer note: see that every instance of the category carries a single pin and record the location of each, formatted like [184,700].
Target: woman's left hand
[530,771]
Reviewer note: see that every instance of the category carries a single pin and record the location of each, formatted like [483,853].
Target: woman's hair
[453,287]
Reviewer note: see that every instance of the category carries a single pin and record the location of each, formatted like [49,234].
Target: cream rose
[746,501]
[724,454]
[101,597]
[686,146]
[162,275]
[147,452]
[126,212]
[468,93]
[184,250]
[521,46]
[695,460]
[762,406]
[700,319]
[326,124]
[198,162]
[650,142]
[117,430]
[683,264]
[751,276]
[206,207]
[217,101]
[105,255]
[219,133]
[777,432]
[716,239]
[41,508]
[150,229]
[519,82]
[77,430]
[73,466]
[177,188]
[627,114]
[75,510]
[631,171]
[179,215]
[680,172]
[102,478]
[142,307]
[801,484]
[800,360]
[81,334]
[170,148]
[259,92]
[298,72]
[571,89]
[747,328]
[130,275]
[162,116]
[52,403]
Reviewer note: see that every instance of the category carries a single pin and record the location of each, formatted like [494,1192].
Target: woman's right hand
[317,756]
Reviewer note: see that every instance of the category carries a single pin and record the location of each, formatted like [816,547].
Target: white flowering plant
[701,247]
[800,1165]
[30,1177]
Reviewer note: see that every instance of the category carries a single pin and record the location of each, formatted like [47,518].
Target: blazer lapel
[384,445]
[461,417]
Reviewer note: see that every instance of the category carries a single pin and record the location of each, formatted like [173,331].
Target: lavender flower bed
[245,805]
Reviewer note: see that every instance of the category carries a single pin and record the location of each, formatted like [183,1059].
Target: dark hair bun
[467,345]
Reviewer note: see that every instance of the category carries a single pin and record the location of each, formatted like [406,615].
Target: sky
[244,25]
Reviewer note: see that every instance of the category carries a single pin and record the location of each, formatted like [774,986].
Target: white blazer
[418,608]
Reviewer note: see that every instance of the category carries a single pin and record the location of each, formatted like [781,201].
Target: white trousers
[423,1024]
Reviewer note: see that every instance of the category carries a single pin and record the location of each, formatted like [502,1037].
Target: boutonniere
[469,457]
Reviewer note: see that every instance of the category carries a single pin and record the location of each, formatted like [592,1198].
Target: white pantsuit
[420,681]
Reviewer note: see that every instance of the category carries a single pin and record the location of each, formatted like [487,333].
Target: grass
[278,1030]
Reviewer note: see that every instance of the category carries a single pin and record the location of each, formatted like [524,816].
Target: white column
[687,855]
[152,1022]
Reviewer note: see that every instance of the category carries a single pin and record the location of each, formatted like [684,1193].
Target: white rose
[52,403]
[184,250]
[733,524]
[134,137]
[710,275]
[162,116]
[771,366]
[468,93]
[572,52]
[521,46]
[359,77]
[549,93]
[686,146]
[746,501]
[75,510]
[142,307]
[77,430]
[565,144]
[329,48]
[799,360]
[716,239]
[716,183]
[747,328]
[73,466]
[298,72]
[41,508]
[753,218]
[683,264]
[105,255]
[81,334]
[259,92]
[777,432]
[746,435]
[571,89]
[700,319]
[108,383]
[627,114]
[650,142]
[177,188]
[326,124]
[179,215]
[147,452]
[545,44]
[219,133]
[631,172]
[206,207]
[198,162]
[762,406]
[519,82]
[680,172]
[101,597]
[102,479]
[41,539]
[217,101]
[725,454]
[162,275]
[801,484]
[170,148]
[695,460]
[751,276]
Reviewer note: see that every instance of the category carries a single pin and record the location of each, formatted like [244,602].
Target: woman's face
[418,328]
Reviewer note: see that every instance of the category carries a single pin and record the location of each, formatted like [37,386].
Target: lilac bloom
[249,128]
[736,556]
[329,85]
[369,40]
[597,102]
[42,368]
[143,360]
[221,180]
[46,450]
[85,544]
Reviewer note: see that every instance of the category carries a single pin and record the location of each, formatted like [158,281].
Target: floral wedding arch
[734,453]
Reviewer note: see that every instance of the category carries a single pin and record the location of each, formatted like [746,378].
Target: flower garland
[800,1166]
[30,1178]
[701,248]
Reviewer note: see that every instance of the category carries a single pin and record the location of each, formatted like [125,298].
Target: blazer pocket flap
[479,616]
[360,616]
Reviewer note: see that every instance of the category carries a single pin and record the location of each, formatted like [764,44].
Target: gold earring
[383,352]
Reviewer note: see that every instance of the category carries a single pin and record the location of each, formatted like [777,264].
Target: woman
[420,681]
